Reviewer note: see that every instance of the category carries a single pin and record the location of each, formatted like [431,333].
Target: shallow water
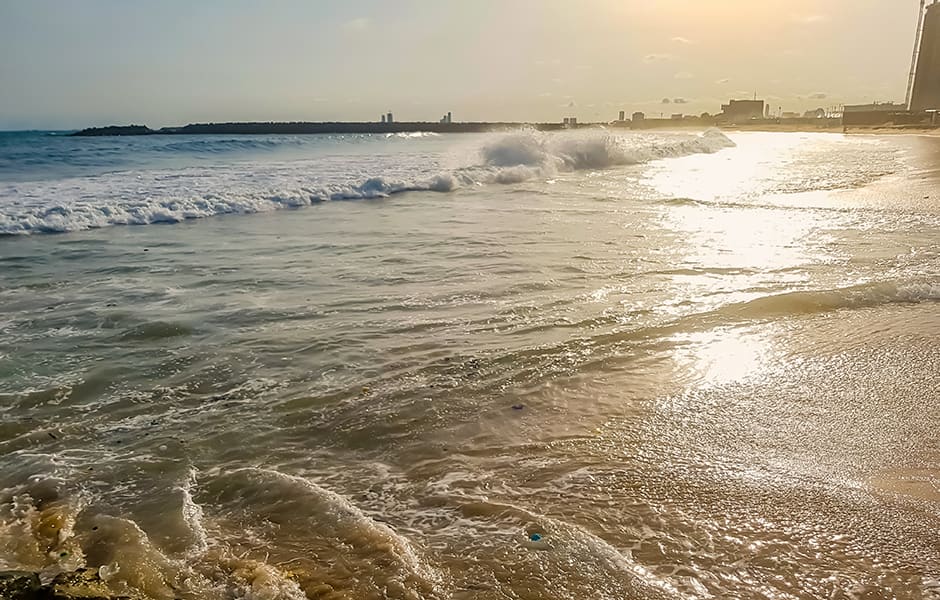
[698,368]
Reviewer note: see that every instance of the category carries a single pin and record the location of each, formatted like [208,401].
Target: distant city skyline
[96,62]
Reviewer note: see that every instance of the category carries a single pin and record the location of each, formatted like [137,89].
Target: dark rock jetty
[301,128]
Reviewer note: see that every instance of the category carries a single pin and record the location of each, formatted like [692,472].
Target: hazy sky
[71,63]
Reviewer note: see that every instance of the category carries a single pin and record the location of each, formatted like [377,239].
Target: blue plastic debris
[536,537]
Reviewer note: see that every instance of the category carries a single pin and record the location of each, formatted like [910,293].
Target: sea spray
[162,196]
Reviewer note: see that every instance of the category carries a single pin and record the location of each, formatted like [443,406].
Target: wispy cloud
[818,96]
[679,101]
[356,25]
[681,40]
[684,75]
[651,58]
[723,81]
[811,19]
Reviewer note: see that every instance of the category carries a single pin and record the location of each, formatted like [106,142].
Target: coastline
[344,128]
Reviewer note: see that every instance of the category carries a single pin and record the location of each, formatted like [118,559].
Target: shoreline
[344,128]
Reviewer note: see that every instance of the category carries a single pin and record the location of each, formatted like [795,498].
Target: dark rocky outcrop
[115,130]
[17,585]
[82,584]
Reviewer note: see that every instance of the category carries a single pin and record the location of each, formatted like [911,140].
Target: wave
[47,525]
[867,295]
[79,216]
[150,197]
[527,155]
[224,146]
[593,150]
[408,135]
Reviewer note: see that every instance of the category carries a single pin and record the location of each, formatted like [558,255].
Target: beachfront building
[870,115]
[737,111]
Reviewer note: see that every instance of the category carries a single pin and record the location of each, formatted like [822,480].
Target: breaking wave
[48,527]
[77,214]
[593,150]
[148,197]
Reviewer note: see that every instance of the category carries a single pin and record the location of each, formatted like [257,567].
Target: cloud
[356,25]
[681,40]
[818,96]
[680,101]
[545,95]
[667,101]
[723,81]
[811,19]
[684,75]
[651,58]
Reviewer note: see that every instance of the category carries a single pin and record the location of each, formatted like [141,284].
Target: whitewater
[159,195]
[595,363]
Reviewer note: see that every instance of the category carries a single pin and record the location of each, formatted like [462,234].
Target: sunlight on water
[724,356]
[597,364]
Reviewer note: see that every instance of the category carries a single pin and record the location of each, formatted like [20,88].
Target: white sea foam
[193,515]
[171,196]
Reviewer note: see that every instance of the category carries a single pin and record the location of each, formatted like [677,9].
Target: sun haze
[71,64]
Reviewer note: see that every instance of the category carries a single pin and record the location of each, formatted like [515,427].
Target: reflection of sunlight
[763,239]
[739,173]
[718,357]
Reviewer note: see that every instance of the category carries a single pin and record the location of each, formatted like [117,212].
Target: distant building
[789,114]
[383,118]
[570,121]
[389,118]
[623,114]
[874,107]
[878,113]
[638,116]
[450,117]
[742,110]
[676,116]
[819,113]
[925,94]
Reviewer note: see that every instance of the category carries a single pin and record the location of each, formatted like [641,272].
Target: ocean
[591,364]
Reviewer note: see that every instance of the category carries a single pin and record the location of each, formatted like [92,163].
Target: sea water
[694,364]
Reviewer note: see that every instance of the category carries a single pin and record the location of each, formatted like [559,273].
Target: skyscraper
[925,94]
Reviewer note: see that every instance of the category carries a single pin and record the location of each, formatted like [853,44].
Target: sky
[70,63]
